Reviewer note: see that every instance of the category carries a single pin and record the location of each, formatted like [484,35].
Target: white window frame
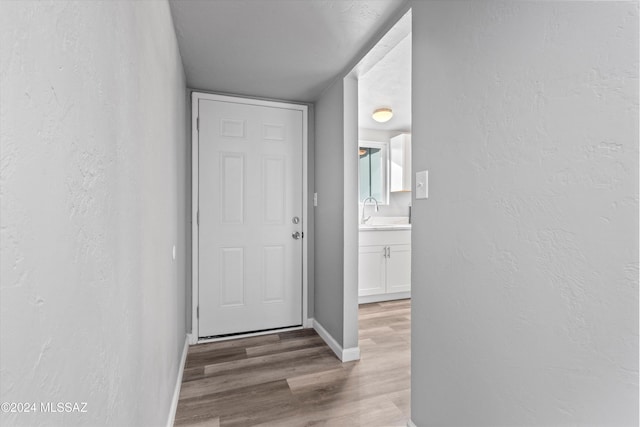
[384,147]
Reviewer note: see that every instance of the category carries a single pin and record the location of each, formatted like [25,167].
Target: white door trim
[195,156]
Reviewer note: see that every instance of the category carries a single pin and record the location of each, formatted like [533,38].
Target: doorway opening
[384,206]
[384,167]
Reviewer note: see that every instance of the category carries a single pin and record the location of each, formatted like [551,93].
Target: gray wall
[525,255]
[92,138]
[329,214]
[336,216]
[350,212]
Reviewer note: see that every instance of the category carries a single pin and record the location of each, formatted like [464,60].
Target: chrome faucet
[364,220]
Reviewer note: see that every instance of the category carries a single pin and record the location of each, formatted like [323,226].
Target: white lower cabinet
[372,270]
[398,268]
[384,267]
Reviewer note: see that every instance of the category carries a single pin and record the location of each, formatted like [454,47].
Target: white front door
[250,200]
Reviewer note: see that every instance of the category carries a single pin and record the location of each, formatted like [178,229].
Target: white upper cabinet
[400,163]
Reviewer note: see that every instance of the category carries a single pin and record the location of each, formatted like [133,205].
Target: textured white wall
[93,153]
[525,255]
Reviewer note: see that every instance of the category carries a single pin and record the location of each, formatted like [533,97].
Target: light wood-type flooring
[294,379]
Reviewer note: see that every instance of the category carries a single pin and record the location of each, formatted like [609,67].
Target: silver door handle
[296,235]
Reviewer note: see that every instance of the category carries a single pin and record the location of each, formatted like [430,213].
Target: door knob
[296,235]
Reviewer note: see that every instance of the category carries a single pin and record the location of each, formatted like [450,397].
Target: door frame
[194,337]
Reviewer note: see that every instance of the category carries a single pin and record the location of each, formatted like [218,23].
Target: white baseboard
[411,424]
[328,339]
[192,338]
[366,299]
[345,355]
[176,391]
[308,323]
[350,354]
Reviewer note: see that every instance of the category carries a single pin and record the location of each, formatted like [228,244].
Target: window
[373,178]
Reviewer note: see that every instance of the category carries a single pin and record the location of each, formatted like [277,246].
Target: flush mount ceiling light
[382,115]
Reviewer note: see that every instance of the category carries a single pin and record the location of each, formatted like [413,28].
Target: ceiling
[384,79]
[284,49]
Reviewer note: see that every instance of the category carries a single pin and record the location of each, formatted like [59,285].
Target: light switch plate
[422,184]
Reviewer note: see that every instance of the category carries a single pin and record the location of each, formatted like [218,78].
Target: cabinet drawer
[391,237]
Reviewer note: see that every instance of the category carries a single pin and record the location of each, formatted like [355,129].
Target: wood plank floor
[294,379]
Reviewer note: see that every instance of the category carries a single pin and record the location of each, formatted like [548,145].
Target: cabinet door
[371,270]
[400,163]
[399,268]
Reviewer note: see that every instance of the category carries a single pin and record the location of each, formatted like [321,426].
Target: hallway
[294,379]
[524,124]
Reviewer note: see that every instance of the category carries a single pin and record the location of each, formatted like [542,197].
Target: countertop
[386,224]
[385,227]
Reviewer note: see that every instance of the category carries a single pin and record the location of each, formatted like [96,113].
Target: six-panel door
[250,192]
